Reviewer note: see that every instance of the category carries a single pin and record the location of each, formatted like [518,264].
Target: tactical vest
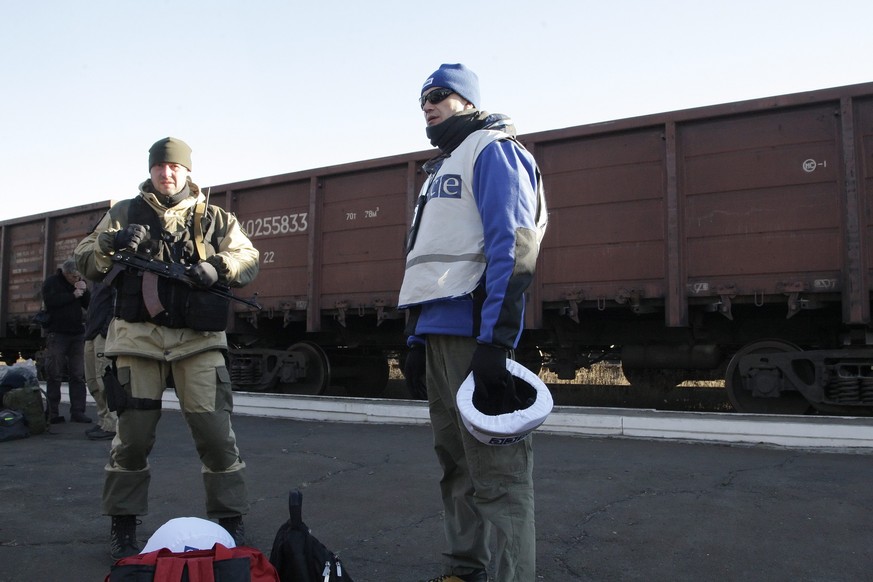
[183,306]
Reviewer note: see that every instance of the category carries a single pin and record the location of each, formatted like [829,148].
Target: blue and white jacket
[475,240]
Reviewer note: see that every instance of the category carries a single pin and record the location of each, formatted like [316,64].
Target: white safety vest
[448,258]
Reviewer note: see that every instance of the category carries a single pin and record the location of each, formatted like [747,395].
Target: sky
[266,87]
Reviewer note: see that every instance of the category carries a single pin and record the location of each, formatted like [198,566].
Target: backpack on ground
[29,401]
[298,556]
[219,564]
[12,425]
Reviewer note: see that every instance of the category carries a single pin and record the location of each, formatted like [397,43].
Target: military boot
[236,528]
[122,537]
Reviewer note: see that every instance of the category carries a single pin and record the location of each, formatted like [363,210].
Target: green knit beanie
[170,150]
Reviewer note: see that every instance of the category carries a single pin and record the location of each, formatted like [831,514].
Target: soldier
[165,332]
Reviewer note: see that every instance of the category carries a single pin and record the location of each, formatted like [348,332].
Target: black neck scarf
[450,133]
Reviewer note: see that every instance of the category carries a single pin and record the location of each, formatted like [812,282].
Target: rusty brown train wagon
[733,238]
[725,240]
[331,246]
[31,248]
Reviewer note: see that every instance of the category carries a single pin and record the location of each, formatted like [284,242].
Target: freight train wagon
[730,240]
[726,241]
[31,249]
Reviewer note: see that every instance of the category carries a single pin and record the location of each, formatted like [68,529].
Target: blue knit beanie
[457,77]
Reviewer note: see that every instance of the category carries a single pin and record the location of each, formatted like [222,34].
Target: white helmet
[511,427]
[183,534]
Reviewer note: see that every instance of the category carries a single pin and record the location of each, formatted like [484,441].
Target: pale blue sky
[265,87]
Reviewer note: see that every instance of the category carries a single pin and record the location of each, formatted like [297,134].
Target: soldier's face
[169,179]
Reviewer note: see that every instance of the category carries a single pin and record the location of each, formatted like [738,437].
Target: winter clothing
[65,341]
[149,347]
[66,310]
[170,150]
[471,254]
[457,77]
[478,234]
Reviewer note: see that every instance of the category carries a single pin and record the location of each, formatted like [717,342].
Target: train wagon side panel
[32,248]
[863,117]
[25,270]
[361,242]
[606,196]
[277,219]
[762,204]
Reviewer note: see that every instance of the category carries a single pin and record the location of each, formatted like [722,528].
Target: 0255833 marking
[273,225]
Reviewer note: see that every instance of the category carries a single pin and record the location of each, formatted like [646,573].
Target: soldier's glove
[415,370]
[131,237]
[494,391]
[203,274]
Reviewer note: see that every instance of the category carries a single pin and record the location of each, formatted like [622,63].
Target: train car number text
[270,225]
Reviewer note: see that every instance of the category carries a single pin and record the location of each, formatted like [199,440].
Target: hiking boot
[80,417]
[474,576]
[122,536]
[236,528]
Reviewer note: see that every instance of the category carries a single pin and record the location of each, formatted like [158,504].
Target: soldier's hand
[204,274]
[131,237]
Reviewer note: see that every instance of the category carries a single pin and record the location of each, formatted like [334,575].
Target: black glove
[131,237]
[414,370]
[204,274]
[494,391]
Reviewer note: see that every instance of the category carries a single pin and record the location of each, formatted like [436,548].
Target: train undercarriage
[770,364]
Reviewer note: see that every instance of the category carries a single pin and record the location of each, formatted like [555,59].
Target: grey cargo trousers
[486,490]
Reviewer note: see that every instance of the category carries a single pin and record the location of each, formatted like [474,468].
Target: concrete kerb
[789,431]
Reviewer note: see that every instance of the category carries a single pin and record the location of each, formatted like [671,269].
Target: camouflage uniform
[147,354]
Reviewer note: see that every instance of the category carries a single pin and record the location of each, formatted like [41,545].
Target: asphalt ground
[608,508]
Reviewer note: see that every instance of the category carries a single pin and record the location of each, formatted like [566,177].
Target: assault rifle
[177,272]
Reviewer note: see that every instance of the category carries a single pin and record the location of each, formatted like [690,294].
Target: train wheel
[790,402]
[317,367]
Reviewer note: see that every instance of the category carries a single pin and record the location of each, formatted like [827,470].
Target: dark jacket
[99,311]
[64,307]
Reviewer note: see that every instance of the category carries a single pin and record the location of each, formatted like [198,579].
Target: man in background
[65,296]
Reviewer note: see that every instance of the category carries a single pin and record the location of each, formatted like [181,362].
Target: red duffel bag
[240,564]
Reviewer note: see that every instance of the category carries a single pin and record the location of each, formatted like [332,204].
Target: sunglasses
[435,96]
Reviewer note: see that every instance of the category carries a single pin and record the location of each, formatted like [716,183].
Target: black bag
[12,425]
[298,556]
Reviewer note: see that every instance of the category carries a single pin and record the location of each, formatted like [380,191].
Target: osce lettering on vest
[447,186]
